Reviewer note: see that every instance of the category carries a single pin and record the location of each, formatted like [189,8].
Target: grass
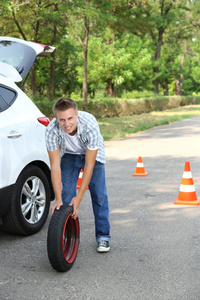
[120,127]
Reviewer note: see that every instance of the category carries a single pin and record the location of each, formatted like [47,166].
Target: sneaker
[103,246]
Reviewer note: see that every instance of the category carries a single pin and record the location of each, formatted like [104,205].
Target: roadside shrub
[115,107]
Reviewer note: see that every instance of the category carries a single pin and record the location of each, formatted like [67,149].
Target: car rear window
[7,97]
[18,55]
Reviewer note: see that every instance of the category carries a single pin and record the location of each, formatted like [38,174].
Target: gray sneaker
[103,246]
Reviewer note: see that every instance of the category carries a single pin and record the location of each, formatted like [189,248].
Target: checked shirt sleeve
[93,138]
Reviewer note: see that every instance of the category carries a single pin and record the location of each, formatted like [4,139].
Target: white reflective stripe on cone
[140,165]
[187,174]
[187,188]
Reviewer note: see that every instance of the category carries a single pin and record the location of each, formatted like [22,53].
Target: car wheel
[30,203]
[63,239]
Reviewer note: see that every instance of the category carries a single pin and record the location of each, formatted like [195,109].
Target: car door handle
[14,134]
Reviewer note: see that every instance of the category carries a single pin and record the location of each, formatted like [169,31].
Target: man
[73,143]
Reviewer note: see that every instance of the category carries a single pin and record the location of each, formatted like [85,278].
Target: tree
[161,15]
[42,22]
[84,17]
[153,19]
[118,63]
[113,45]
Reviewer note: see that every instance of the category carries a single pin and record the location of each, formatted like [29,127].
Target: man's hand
[75,203]
[57,206]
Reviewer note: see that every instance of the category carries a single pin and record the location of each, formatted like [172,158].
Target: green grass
[119,127]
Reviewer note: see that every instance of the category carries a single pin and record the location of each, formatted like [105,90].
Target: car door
[10,134]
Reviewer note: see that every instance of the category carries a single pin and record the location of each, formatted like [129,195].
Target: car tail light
[44,120]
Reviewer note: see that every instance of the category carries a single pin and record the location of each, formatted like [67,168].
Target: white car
[25,181]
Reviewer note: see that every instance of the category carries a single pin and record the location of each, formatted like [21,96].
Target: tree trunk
[52,63]
[51,78]
[155,82]
[156,58]
[85,49]
[166,93]
[110,90]
[179,83]
[85,79]
[158,40]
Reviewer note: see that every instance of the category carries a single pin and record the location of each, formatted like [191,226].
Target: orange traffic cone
[187,194]
[140,168]
[79,180]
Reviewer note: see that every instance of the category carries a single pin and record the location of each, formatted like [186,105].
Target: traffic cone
[140,168]
[79,180]
[187,194]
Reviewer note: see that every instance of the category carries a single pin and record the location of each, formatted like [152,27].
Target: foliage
[125,61]
[133,46]
[107,107]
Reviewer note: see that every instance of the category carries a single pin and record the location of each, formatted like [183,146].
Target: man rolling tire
[74,142]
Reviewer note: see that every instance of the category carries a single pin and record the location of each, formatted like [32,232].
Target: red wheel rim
[70,240]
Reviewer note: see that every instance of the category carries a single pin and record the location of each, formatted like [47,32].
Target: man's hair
[63,104]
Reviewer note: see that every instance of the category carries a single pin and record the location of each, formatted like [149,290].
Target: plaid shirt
[88,134]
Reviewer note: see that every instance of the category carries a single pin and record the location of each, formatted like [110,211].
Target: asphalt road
[154,246]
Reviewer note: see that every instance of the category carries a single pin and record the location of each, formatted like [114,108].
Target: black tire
[63,239]
[30,203]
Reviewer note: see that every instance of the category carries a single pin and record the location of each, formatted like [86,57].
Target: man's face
[67,120]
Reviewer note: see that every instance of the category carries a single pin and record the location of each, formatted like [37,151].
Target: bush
[115,107]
